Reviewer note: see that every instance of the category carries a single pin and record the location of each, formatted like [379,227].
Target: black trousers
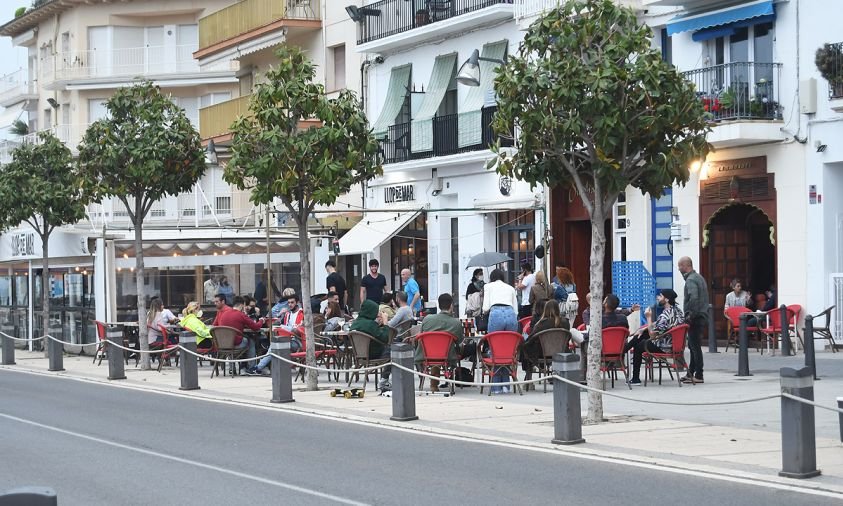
[696,331]
[639,344]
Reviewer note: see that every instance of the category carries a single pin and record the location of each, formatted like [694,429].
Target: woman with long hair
[531,351]
[541,289]
[156,316]
[476,283]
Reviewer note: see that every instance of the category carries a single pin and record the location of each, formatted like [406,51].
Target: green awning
[470,131]
[421,130]
[396,94]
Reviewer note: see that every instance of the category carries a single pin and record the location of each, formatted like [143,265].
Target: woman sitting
[642,340]
[333,316]
[191,322]
[531,352]
[158,315]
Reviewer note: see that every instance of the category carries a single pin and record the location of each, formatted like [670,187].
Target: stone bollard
[712,337]
[743,351]
[799,444]
[403,384]
[114,334]
[187,362]
[785,333]
[282,373]
[8,345]
[567,415]
[56,350]
[840,416]
[810,356]
[29,496]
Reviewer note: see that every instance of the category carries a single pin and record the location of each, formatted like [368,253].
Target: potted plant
[829,61]
[20,12]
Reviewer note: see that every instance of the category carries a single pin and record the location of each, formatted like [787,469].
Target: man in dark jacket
[696,314]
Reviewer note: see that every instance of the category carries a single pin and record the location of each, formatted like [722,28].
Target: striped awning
[720,17]
[470,131]
[421,130]
[396,94]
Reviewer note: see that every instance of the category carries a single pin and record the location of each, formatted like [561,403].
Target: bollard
[55,350]
[712,337]
[282,373]
[114,334]
[403,384]
[743,353]
[840,416]
[785,333]
[567,416]
[8,345]
[799,445]
[29,496]
[187,362]
[808,334]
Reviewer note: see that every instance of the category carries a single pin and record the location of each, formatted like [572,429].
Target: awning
[396,93]
[730,29]
[9,115]
[421,130]
[373,230]
[470,119]
[720,17]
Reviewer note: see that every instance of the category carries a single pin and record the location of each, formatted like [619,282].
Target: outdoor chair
[551,341]
[673,360]
[326,354]
[503,352]
[792,327]
[226,349]
[102,344]
[170,349]
[436,347]
[733,324]
[824,331]
[613,357]
[360,343]
[524,324]
[772,327]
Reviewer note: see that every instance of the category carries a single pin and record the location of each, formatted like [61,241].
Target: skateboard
[348,394]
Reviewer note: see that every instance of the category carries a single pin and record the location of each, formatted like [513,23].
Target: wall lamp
[820,146]
[53,103]
[358,14]
[469,73]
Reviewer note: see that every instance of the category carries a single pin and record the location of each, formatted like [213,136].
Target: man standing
[411,288]
[696,314]
[373,284]
[210,287]
[525,285]
[262,294]
[335,283]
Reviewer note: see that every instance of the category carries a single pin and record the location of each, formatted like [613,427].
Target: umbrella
[487,259]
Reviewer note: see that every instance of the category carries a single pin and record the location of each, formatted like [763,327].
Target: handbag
[481,322]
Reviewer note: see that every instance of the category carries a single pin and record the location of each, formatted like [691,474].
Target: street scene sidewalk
[736,440]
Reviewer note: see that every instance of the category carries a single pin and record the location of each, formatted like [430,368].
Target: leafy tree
[275,156]
[41,187]
[597,110]
[144,150]
[19,127]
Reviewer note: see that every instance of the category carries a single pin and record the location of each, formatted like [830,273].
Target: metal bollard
[785,333]
[116,371]
[743,353]
[840,416]
[282,374]
[29,496]
[403,384]
[8,345]
[810,356]
[799,444]
[187,362]
[56,350]
[567,415]
[712,337]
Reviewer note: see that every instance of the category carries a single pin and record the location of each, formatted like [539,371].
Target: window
[223,205]
[96,109]
[338,59]
[65,114]
[65,42]
[619,217]
[214,98]
[667,46]
[48,117]
[662,247]
[516,238]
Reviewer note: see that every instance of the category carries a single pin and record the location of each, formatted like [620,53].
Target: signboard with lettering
[401,193]
[756,165]
[23,244]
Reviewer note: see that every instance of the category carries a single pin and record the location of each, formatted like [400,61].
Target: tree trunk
[45,290]
[304,260]
[139,275]
[595,340]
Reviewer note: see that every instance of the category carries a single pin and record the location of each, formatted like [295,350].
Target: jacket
[540,292]
[444,322]
[192,323]
[695,296]
[365,322]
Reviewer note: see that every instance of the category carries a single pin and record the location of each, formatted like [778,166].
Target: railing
[834,67]
[397,146]
[127,62]
[71,135]
[249,15]
[735,91]
[216,119]
[389,17]
[215,202]
[527,8]
[16,84]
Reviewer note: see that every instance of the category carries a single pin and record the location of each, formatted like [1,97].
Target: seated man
[612,315]
[323,305]
[445,321]
[235,318]
[641,341]
[404,312]
[291,322]
[367,322]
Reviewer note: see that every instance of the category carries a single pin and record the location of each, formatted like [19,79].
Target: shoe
[698,380]
[250,371]
[688,380]
[383,384]
[506,390]
[264,372]
[635,382]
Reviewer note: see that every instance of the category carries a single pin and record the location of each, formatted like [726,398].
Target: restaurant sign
[401,193]
[23,244]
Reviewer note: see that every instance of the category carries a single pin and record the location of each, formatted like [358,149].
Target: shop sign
[740,166]
[23,244]
[400,193]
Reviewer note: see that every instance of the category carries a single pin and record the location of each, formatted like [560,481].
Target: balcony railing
[528,8]
[834,67]
[216,119]
[127,62]
[16,84]
[739,91]
[248,15]
[397,146]
[389,17]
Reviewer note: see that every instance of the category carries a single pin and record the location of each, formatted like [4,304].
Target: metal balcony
[739,91]
[126,62]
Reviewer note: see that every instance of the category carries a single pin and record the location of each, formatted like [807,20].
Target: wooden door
[728,258]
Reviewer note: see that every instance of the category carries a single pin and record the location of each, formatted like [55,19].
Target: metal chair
[436,347]
[503,352]
[733,321]
[225,339]
[360,344]
[673,360]
[613,357]
[551,342]
[824,332]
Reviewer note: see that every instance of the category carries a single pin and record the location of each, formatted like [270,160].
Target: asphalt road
[96,444]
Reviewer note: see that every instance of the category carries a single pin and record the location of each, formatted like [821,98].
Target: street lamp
[469,73]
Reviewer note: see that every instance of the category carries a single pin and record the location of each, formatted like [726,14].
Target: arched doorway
[740,242]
